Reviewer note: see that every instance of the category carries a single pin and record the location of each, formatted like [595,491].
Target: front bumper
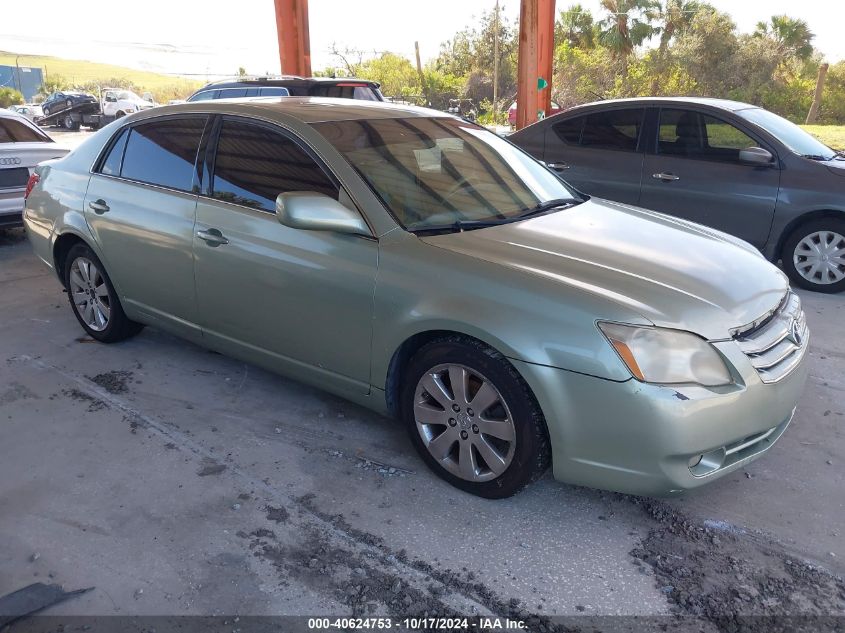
[639,438]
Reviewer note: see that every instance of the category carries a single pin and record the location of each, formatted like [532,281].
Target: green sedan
[426,268]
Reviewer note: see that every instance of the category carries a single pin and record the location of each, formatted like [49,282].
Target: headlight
[129,109]
[664,356]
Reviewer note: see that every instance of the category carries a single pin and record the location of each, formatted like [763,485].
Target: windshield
[129,96]
[788,133]
[440,171]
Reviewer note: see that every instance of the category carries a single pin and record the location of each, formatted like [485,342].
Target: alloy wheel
[90,294]
[820,257]
[464,422]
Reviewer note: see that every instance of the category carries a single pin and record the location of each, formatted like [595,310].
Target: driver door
[696,174]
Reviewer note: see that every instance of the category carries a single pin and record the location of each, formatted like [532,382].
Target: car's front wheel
[473,419]
[93,298]
[814,255]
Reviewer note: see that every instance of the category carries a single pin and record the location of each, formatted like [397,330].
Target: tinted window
[689,133]
[163,152]
[111,165]
[569,131]
[12,131]
[206,95]
[231,93]
[364,93]
[274,92]
[788,133]
[255,164]
[615,129]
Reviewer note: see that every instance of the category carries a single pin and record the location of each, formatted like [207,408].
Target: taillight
[33,180]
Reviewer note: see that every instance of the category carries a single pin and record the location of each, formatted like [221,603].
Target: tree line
[630,48]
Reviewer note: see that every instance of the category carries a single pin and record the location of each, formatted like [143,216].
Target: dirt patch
[735,580]
[210,467]
[277,515]
[94,404]
[377,580]
[115,382]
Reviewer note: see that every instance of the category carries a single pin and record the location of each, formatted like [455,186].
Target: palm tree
[676,16]
[576,27]
[793,36]
[628,24]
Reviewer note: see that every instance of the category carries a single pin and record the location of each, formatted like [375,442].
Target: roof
[306,109]
[285,80]
[724,104]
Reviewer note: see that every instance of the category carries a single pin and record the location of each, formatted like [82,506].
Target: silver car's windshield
[438,172]
[788,133]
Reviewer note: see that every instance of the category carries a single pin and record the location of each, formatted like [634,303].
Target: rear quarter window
[12,131]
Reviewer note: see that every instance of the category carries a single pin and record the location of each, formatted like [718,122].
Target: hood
[674,273]
[30,154]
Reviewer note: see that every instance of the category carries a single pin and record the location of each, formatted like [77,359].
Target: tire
[69,103]
[117,326]
[119,114]
[69,123]
[799,253]
[519,439]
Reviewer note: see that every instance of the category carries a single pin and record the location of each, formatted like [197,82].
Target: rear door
[695,173]
[297,300]
[140,206]
[599,153]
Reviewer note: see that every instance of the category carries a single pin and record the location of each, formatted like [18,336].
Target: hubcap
[464,422]
[90,294]
[820,257]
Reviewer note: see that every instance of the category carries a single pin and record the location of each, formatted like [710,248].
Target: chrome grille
[776,343]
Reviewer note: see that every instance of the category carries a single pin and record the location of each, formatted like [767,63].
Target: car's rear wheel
[473,419]
[69,123]
[93,298]
[814,255]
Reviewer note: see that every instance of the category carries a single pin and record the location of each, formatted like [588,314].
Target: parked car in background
[31,111]
[423,266]
[290,86]
[22,146]
[512,112]
[59,101]
[732,166]
[118,103]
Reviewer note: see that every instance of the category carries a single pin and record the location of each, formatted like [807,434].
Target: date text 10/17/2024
[444,624]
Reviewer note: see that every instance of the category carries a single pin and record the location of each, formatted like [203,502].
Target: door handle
[98,206]
[665,177]
[559,166]
[212,237]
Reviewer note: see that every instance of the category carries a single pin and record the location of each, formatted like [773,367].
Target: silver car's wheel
[90,294]
[464,422]
[820,257]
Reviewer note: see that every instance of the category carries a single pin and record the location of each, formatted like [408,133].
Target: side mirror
[314,211]
[755,156]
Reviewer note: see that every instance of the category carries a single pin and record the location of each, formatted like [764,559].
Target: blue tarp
[22,78]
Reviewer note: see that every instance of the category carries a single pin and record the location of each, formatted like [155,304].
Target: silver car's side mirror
[314,211]
[755,156]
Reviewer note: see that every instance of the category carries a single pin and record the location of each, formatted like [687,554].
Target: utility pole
[817,96]
[496,66]
[422,77]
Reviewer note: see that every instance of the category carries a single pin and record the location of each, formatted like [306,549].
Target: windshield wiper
[458,226]
[549,205]
[468,225]
[818,157]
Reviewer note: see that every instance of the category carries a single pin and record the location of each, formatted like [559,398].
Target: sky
[215,37]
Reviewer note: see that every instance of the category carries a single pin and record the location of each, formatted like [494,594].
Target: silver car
[426,268]
[729,165]
[22,146]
